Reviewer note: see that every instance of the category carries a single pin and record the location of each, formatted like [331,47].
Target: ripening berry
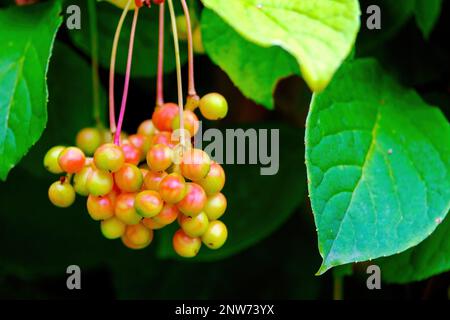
[61,193]
[159,157]
[101,208]
[153,179]
[214,180]
[141,142]
[51,160]
[168,214]
[152,224]
[213,106]
[71,160]
[158,1]
[215,206]
[172,188]
[195,164]
[138,236]
[125,210]
[184,245]
[88,140]
[197,41]
[194,201]
[216,235]
[100,183]
[164,137]
[146,128]
[112,228]
[191,122]
[163,116]
[129,178]
[148,203]
[132,154]
[109,157]
[80,181]
[194,226]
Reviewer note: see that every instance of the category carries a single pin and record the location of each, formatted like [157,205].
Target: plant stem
[94,57]
[178,65]
[338,287]
[160,75]
[127,77]
[112,112]
[191,81]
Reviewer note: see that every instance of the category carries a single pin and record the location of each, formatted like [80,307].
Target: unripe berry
[100,183]
[146,128]
[152,224]
[194,201]
[215,206]
[51,160]
[88,140]
[194,226]
[191,123]
[141,142]
[216,235]
[168,214]
[213,106]
[172,188]
[214,180]
[61,194]
[197,41]
[125,210]
[163,116]
[132,154]
[109,157]
[112,228]
[186,246]
[129,178]
[80,181]
[71,160]
[138,236]
[159,157]
[101,208]
[153,179]
[148,203]
[195,164]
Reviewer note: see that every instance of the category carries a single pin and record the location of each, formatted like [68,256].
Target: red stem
[191,81]
[160,75]
[127,78]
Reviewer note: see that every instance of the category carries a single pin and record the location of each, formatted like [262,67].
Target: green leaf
[145,54]
[69,108]
[253,69]
[427,14]
[319,34]
[252,214]
[429,258]
[378,162]
[27,35]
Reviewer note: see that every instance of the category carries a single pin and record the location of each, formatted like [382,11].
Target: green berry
[213,106]
[88,140]
[216,235]
[80,181]
[112,228]
[214,180]
[109,157]
[215,206]
[148,203]
[61,194]
[51,160]
[194,226]
[100,183]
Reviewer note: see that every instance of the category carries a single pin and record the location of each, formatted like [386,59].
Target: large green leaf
[378,162]
[27,36]
[319,34]
[429,258]
[253,69]
[145,53]
[257,205]
[427,14]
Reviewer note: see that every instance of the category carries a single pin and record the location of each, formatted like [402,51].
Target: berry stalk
[191,81]
[127,78]
[160,75]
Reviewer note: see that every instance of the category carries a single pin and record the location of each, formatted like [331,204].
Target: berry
[213,106]
[109,157]
[191,123]
[112,228]
[215,206]
[153,179]
[163,116]
[129,178]
[194,201]
[148,203]
[88,140]
[132,154]
[159,157]
[194,226]
[164,137]
[197,41]
[101,208]
[195,164]
[71,160]
[214,180]
[51,160]
[216,235]
[168,214]
[125,210]
[146,128]
[152,224]
[184,245]
[61,193]
[138,236]
[80,181]
[172,188]
[141,142]
[99,183]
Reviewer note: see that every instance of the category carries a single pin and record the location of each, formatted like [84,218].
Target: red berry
[168,214]
[194,226]
[186,246]
[148,203]
[159,157]
[214,180]
[140,142]
[61,193]
[109,157]
[195,164]
[153,179]
[71,160]
[132,154]
[99,183]
[101,208]
[51,160]
[163,116]
[194,201]
[213,106]
[173,188]
[191,123]
[215,206]
[152,224]
[164,137]
[129,178]
[125,210]
[88,140]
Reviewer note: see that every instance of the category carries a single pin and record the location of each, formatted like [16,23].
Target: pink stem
[191,81]
[127,77]
[160,79]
